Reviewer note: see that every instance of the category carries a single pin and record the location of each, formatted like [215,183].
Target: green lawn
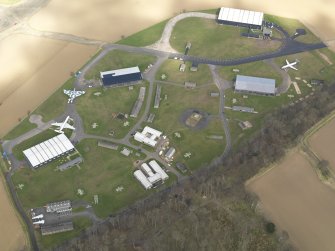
[50,241]
[23,127]
[167,119]
[171,70]
[55,105]
[311,66]
[119,59]
[209,39]
[255,69]
[102,171]
[101,109]
[290,25]
[145,37]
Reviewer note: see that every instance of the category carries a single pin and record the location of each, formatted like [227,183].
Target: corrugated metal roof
[254,84]
[120,72]
[241,16]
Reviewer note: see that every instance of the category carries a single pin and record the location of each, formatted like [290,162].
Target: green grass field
[100,110]
[119,59]
[102,171]
[290,25]
[255,69]
[23,127]
[145,37]
[171,69]
[167,119]
[50,241]
[212,40]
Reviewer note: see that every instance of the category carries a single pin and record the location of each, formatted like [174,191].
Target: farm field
[25,83]
[294,198]
[11,232]
[322,143]
[209,39]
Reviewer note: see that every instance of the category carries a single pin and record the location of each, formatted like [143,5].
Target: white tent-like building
[148,136]
[139,175]
[48,150]
[156,167]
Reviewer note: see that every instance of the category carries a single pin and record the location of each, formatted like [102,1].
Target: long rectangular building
[120,76]
[238,17]
[48,150]
[263,86]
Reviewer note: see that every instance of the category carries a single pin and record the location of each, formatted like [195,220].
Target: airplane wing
[67,126]
[57,124]
[67,92]
[287,62]
[293,68]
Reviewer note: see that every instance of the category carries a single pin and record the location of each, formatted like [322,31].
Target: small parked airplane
[73,94]
[38,222]
[40,216]
[63,125]
[290,65]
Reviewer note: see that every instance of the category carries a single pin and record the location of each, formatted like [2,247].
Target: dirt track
[294,198]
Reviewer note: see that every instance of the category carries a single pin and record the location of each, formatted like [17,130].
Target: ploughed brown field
[32,69]
[293,197]
[12,236]
[323,143]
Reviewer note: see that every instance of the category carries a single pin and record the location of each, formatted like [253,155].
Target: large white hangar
[262,86]
[48,150]
[120,76]
[238,17]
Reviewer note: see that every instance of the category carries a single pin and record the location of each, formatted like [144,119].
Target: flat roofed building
[169,154]
[56,228]
[148,136]
[139,175]
[238,17]
[120,76]
[48,150]
[263,86]
[58,207]
[157,168]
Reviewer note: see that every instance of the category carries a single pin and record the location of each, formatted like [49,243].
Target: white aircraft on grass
[290,65]
[63,125]
[73,94]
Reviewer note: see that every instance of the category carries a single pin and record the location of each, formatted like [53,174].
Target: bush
[270,227]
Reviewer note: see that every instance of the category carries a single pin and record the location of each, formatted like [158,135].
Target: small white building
[139,175]
[148,136]
[156,167]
